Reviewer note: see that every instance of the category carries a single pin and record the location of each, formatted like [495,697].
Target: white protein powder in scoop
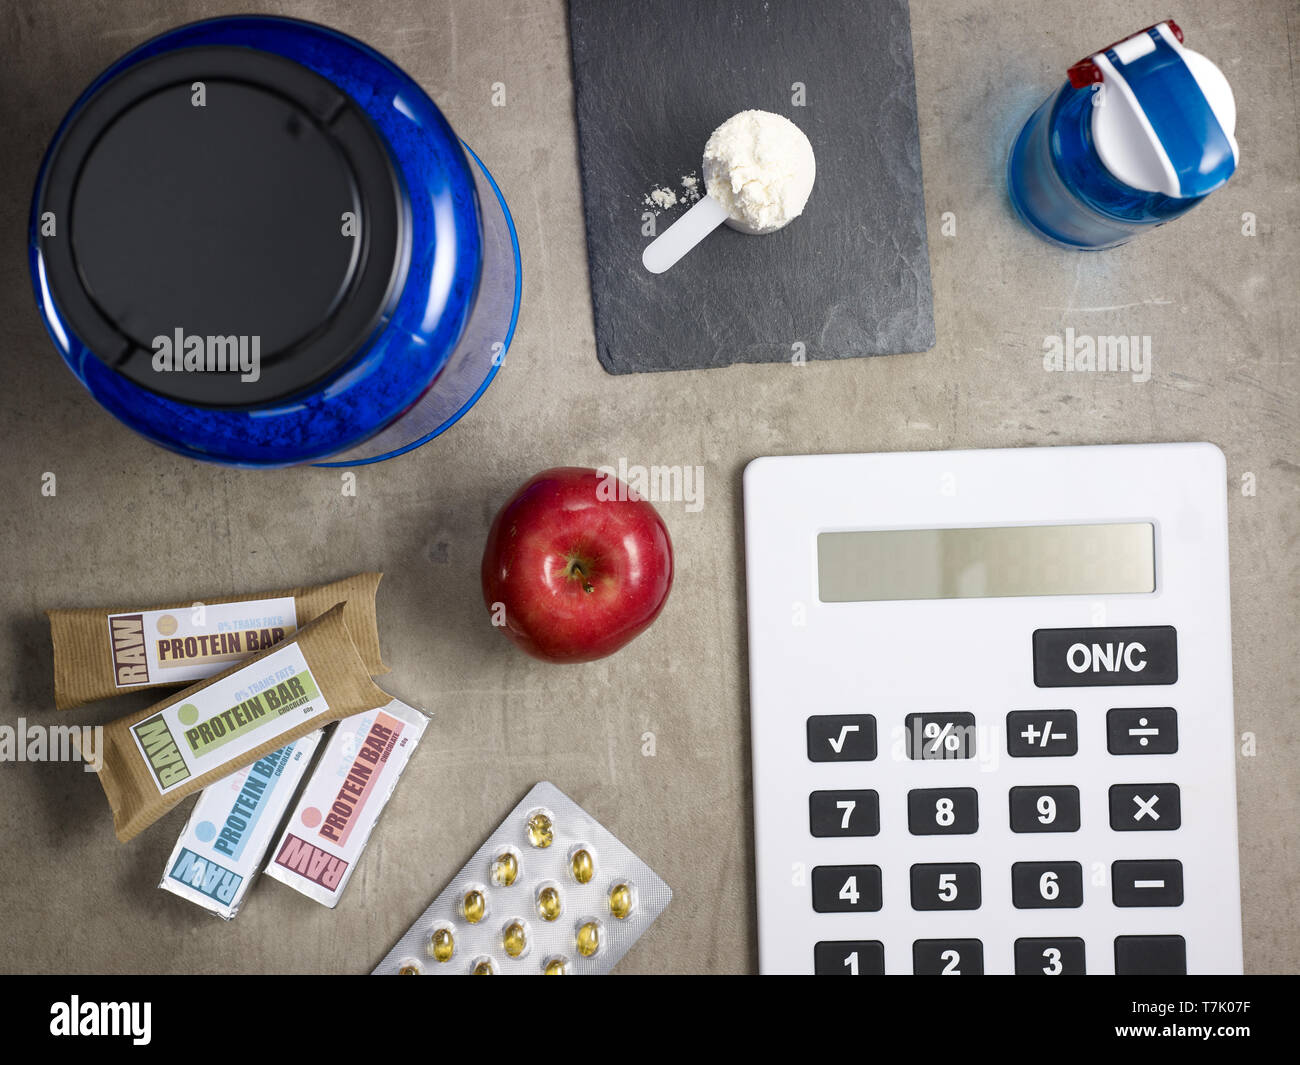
[761,168]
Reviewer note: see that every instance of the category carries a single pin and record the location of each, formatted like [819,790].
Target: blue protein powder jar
[257,242]
[1140,133]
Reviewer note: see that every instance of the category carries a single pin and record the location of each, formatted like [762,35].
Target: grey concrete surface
[131,522]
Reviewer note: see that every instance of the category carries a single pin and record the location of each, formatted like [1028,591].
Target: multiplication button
[1145,808]
[849,957]
[1042,734]
[846,888]
[1050,957]
[842,738]
[1149,730]
[844,813]
[1154,882]
[948,957]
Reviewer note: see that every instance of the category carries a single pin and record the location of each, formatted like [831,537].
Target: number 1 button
[847,957]
[842,738]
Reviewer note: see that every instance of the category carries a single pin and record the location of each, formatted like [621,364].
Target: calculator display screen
[872,566]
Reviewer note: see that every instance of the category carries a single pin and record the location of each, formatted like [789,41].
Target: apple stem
[576,569]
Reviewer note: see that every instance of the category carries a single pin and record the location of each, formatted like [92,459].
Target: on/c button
[1117,655]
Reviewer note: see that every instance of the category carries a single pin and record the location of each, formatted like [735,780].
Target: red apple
[576,565]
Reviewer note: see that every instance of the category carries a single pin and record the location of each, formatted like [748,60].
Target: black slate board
[851,276]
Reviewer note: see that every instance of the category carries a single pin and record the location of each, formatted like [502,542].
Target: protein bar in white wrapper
[552,892]
[343,799]
[232,826]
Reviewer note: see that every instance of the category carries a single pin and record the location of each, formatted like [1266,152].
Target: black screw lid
[208,190]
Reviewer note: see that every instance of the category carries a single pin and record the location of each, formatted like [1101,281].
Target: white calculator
[991,705]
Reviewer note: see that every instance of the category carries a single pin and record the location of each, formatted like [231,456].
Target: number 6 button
[1046,885]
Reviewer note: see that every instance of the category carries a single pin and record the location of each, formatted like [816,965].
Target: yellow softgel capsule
[556,967]
[474,906]
[505,869]
[589,939]
[442,945]
[484,967]
[514,939]
[541,830]
[582,867]
[409,970]
[548,903]
[620,901]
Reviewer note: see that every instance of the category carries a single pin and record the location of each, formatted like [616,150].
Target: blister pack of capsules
[552,892]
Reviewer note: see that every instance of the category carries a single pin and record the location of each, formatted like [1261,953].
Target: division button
[1149,730]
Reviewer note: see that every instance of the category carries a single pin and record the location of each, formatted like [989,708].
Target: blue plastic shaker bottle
[1140,133]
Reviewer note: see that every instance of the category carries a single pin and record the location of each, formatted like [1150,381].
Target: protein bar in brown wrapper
[100,652]
[154,758]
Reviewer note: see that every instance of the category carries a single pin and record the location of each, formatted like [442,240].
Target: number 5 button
[842,738]
[946,887]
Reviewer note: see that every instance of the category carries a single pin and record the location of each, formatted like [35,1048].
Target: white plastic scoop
[758,169]
[680,237]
